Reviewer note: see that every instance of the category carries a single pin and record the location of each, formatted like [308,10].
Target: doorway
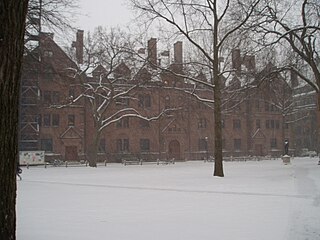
[258,150]
[71,153]
[174,150]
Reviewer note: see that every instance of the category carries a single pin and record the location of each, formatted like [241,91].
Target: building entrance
[174,150]
[71,153]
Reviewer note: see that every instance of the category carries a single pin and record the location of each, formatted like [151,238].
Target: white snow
[263,200]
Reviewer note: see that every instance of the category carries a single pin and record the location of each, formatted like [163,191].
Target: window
[203,144]
[47,74]
[223,144]
[167,102]
[46,145]
[123,145]
[102,145]
[39,120]
[258,125]
[266,107]
[202,123]
[47,97]
[71,120]
[55,120]
[174,128]
[47,53]
[272,124]
[144,145]
[123,123]
[55,97]
[124,102]
[201,105]
[236,124]
[237,144]
[72,92]
[46,120]
[273,108]
[273,143]
[144,123]
[144,101]
[257,104]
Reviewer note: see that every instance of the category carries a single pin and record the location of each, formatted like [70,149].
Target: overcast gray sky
[103,12]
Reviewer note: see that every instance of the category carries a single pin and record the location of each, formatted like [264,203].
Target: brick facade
[253,123]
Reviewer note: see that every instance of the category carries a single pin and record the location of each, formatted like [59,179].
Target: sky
[255,200]
[103,12]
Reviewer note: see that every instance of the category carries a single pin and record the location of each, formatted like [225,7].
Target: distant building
[305,127]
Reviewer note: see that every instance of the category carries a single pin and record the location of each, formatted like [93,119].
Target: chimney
[294,79]
[178,57]
[152,52]
[78,44]
[250,62]
[236,60]
[178,52]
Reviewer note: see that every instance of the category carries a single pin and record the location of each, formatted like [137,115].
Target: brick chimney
[178,56]
[236,60]
[178,52]
[152,52]
[294,79]
[79,47]
[78,44]
[250,62]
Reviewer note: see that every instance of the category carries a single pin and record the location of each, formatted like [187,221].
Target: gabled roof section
[122,71]
[258,134]
[234,83]
[98,71]
[50,53]
[143,75]
[70,133]
[201,77]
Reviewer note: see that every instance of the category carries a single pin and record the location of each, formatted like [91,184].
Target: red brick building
[46,83]
[253,121]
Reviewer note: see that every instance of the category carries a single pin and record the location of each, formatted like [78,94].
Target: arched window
[167,102]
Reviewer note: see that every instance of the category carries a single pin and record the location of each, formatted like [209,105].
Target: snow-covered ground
[263,200]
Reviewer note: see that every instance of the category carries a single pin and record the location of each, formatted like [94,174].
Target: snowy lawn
[264,200]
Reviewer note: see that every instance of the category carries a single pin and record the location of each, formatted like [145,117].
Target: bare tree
[119,72]
[48,16]
[56,15]
[207,25]
[294,26]
[12,15]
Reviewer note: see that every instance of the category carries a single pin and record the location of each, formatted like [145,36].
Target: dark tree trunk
[318,127]
[93,150]
[12,18]
[218,158]
[92,155]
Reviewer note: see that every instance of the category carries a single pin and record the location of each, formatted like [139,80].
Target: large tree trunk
[12,18]
[218,158]
[93,150]
[318,129]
